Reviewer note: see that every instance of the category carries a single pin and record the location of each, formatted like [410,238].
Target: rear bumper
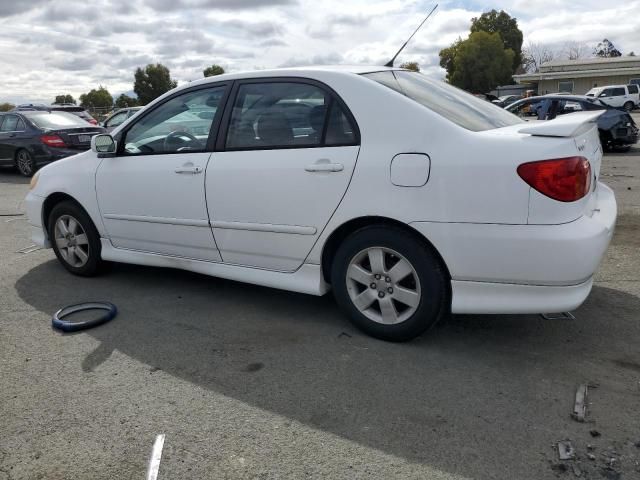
[532,265]
[503,298]
[48,155]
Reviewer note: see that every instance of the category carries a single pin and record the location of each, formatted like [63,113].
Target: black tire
[628,106]
[434,300]
[93,262]
[24,162]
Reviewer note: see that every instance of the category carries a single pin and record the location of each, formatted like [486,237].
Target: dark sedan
[29,139]
[617,128]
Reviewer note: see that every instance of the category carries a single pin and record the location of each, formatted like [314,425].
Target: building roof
[591,61]
[583,68]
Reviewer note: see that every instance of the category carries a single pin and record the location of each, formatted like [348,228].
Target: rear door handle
[324,167]
[190,170]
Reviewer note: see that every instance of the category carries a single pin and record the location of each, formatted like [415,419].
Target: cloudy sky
[50,47]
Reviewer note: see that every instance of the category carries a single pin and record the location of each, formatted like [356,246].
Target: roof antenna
[390,62]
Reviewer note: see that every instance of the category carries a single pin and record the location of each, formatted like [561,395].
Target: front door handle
[190,170]
[324,167]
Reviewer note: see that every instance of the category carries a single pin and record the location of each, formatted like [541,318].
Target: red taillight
[563,179]
[52,141]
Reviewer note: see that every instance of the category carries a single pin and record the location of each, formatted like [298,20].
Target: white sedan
[409,198]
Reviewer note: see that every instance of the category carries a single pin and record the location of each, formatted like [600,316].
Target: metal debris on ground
[580,405]
[29,249]
[566,450]
[594,433]
[591,456]
[558,316]
[156,456]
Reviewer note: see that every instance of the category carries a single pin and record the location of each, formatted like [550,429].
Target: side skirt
[307,279]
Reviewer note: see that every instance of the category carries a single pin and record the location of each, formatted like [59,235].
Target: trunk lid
[79,137]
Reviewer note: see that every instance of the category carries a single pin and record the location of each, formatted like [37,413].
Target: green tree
[213,70]
[481,63]
[65,99]
[124,101]
[507,26]
[151,82]
[413,66]
[97,98]
[6,106]
[447,57]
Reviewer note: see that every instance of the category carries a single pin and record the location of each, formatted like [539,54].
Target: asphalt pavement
[250,382]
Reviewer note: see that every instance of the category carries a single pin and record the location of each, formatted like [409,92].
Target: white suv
[617,95]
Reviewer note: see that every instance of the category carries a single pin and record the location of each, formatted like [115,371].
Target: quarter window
[287,115]
[181,124]
[633,88]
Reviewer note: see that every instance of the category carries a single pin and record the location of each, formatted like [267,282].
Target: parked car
[506,100]
[76,110]
[625,96]
[617,129]
[406,196]
[30,107]
[31,138]
[118,117]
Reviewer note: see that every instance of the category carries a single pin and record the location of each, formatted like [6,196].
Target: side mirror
[104,145]
[602,95]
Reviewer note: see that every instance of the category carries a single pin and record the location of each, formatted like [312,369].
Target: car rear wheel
[628,106]
[25,163]
[390,284]
[75,240]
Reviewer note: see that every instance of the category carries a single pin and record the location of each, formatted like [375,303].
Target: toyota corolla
[407,197]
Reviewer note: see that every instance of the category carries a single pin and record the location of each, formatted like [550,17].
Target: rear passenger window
[618,92]
[286,115]
[10,123]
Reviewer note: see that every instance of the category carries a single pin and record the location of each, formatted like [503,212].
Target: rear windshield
[450,102]
[55,120]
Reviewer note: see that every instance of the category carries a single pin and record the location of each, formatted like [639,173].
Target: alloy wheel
[383,285]
[72,241]
[24,163]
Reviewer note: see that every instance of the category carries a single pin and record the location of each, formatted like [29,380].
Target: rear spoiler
[568,125]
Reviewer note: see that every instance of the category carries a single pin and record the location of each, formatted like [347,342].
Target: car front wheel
[390,284]
[75,240]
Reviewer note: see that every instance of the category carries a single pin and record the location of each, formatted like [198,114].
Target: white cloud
[51,47]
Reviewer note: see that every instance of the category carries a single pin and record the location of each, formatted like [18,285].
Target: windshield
[55,120]
[450,102]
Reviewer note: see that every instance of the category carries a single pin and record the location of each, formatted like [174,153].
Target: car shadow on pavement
[474,388]
[10,175]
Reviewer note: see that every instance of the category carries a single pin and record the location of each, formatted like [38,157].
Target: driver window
[179,125]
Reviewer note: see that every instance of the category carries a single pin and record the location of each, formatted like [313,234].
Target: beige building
[580,76]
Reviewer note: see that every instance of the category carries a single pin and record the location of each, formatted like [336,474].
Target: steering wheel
[170,139]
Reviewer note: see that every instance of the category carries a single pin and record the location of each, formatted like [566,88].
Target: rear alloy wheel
[24,163]
[391,284]
[75,240]
[628,106]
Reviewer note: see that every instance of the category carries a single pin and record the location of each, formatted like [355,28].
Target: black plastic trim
[58,318]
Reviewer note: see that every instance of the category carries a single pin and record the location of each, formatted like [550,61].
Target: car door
[283,162]
[12,130]
[151,194]
[613,96]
